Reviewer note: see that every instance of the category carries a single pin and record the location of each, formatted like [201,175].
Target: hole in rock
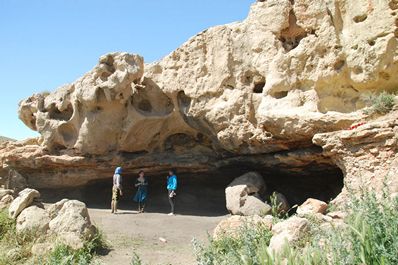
[150,100]
[145,105]
[56,114]
[183,101]
[203,193]
[279,94]
[360,18]
[291,36]
[258,87]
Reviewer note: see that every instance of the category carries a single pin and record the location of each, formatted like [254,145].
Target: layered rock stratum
[263,94]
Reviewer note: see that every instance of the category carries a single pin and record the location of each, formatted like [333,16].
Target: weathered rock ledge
[263,94]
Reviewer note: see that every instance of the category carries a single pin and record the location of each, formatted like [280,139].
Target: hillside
[5,139]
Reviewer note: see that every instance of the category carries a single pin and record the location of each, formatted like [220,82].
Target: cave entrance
[203,194]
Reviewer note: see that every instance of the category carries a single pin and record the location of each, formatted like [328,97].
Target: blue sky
[47,43]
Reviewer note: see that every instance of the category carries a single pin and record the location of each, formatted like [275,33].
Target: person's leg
[139,206]
[112,207]
[142,206]
[171,201]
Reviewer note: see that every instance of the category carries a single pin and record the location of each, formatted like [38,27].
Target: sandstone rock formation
[245,96]
[368,155]
[25,199]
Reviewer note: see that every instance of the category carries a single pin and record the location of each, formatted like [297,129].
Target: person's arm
[119,184]
[174,183]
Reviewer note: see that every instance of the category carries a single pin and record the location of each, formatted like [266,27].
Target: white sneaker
[170,214]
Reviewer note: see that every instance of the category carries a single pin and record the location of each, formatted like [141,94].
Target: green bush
[382,103]
[369,236]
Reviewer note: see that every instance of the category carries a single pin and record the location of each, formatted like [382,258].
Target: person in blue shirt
[171,188]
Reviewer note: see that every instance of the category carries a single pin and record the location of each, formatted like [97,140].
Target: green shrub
[382,103]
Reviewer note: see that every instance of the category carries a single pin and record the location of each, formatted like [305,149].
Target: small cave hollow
[150,100]
[203,193]
[279,94]
[292,35]
[258,87]
[65,115]
[184,101]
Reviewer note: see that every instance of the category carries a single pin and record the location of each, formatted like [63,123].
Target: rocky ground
[129,233]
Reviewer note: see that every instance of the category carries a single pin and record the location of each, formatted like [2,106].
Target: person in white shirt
[116,189]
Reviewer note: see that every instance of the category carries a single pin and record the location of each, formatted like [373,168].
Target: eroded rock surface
[248,94]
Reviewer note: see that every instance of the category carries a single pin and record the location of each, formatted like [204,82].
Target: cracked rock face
[256,90]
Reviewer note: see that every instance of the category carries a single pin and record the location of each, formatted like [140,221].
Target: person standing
[171,188]
[142,191]
[116,189]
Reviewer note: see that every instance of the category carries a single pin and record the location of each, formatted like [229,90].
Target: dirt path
[129,233]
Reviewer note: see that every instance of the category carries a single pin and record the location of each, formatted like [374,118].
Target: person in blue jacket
[171,188]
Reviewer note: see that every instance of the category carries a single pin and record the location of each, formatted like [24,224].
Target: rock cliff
[249,95]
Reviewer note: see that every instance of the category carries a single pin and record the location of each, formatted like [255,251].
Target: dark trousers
[172,201]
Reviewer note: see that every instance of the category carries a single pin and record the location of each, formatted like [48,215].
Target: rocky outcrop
[250,94]
[367,155]
[25,199]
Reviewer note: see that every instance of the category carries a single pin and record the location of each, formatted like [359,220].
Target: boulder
[33,219]
[25,199]
[312,206]
[54,208]
[232,225]
[6,201]
[72,225]
[288,232]
[4,192]
[243,195]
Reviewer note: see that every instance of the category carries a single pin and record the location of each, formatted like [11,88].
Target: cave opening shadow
[198,194]
[203,194]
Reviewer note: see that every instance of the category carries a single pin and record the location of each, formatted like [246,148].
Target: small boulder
[6,201]
[33,219]
[25,199]
[312,206]
[72,225]
[233,224]
[246,189]
[288,231]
